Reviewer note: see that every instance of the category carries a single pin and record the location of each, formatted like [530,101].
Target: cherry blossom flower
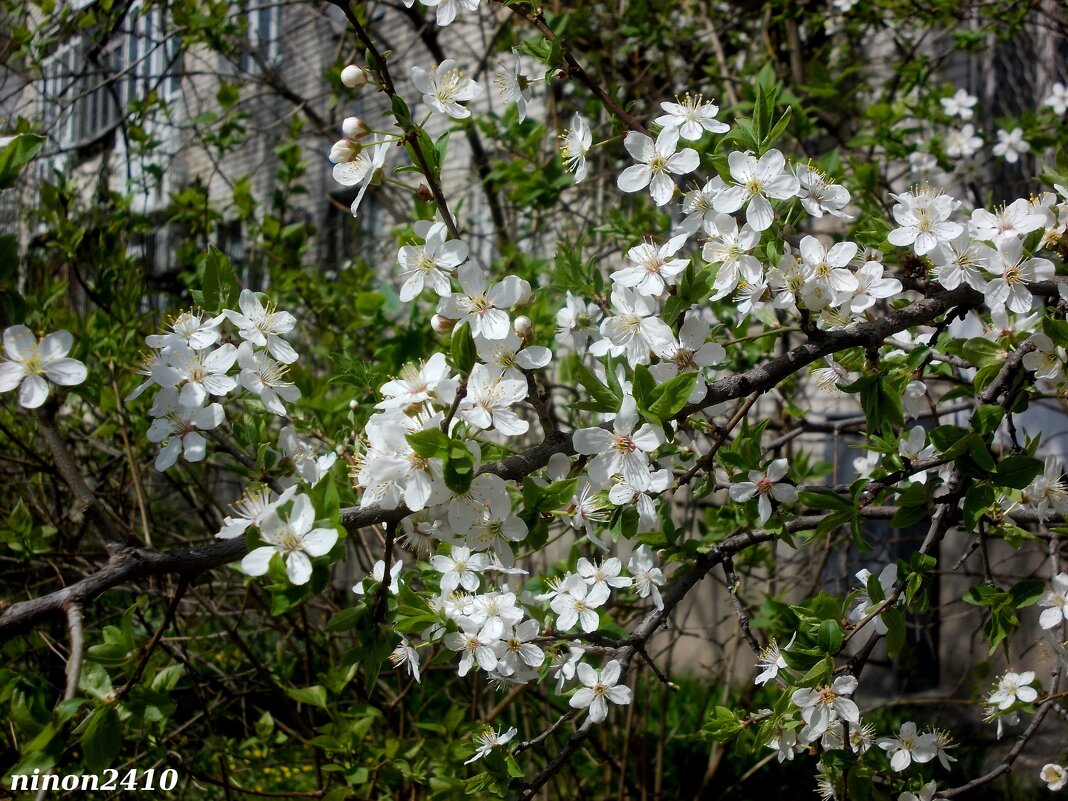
[959,104]
[914,448]
[648,578]
[623,450]
[516,649]
[824,705]
[378,574]
[962,143]
[828,268]
[657,162]
[692,116]
[190,328]
[923,166]
[264,377]
[624,494]
[491,739]
[960,260]
[601,576]
[652,269]
[698,207]
[785,742]
[482,307]
[575,144]
[310,465]
[691,352]
[1055,602]
[565,664]
[1057,99]
[294,538]
[731,248]
[923,218]
[756,181]
[495,613]
[429,382]
[474,647]
[575,603]
[179,427]
[487,497]
[871,286]
[909,746]
[1053,774]
[404,654]
[459,569]
[819,195]
[600,688]
[28,362]
[1018,218]
[635,330]
[512,85]
[362,169]
[199,373]
[250,508]
[1012,688]
[262,325]
[432,262]
[577,320]
[1013,272]
[770,663]
[1011,145]
[767,484]
[489,399]
[927,793]
[864,605]
[445,87]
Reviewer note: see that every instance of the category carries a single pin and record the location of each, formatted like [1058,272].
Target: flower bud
[523,327]
[354,77]
[353,406]
[343,151]
[354,127]
[424,194]
[441,325]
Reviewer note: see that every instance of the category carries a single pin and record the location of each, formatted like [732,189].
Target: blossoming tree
[559,449]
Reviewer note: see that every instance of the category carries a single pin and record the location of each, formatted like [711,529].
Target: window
[264,34]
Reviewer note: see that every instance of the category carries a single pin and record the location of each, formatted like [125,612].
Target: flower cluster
[193,370]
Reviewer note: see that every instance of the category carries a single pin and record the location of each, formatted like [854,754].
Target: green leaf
[950,441]
[401,113]
[825,499]
[673,395]
[1027,592]
[987,418]
[982,352]
[220,284]
[101,738]
[604,398]
[462,348]
[433,443]
[894,619]
[314,695]
[1017,471]
[977,500]
[830,637]
[15,155]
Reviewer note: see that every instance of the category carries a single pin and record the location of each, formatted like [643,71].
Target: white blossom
[445,87]
[754,182]
[692,115]
[28,362]
[657,162]
[600,688]
[293,537]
